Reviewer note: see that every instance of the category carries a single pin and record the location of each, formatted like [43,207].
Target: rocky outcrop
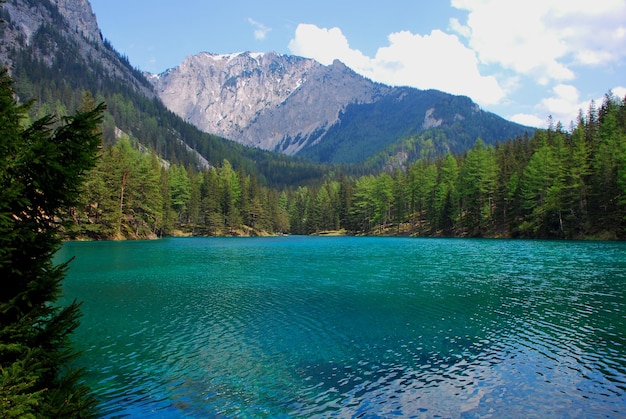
[295,105]
[70,30]
[270,101]
[25,17]
[79,14]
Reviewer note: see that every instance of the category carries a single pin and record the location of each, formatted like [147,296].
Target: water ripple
[349,327]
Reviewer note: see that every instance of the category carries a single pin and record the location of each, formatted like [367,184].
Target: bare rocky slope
[270,101]
[297,106]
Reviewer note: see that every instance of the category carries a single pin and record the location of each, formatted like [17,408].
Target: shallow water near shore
[351,327]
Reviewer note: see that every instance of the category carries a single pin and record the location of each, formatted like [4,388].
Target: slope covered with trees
[560,184]
[52,69]
[557,184]
[370,132]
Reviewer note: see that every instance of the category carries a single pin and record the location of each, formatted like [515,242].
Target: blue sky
[524,60]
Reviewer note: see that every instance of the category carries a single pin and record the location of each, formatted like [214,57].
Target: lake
[352,327]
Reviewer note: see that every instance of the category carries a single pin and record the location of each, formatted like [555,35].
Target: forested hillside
[557,184]
[159,175]
[53,69]
[416,122]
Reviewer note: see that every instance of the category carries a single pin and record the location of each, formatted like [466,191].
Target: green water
[352,327]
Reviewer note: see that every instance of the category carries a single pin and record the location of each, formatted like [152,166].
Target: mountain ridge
[241,96]
[295,105]
[63,31]
[59,65]
[280,103]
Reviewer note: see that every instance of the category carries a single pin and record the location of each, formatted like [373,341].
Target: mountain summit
[297,106]
[280,103]
[275,102]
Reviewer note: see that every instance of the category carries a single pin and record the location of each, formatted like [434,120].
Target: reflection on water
[352,327]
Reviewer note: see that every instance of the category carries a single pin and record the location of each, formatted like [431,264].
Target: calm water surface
[352,327]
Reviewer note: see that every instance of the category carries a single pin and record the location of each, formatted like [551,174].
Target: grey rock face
[270,101]
[75,21]
[80,14]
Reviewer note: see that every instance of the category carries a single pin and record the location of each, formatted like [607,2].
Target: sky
[523,60]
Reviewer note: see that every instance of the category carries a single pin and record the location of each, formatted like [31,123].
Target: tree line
[556,184]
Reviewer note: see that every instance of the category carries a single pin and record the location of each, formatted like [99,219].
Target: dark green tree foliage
[446,195]
[556,184]
[477,187]
[542,191]
[343,143]
[41,169]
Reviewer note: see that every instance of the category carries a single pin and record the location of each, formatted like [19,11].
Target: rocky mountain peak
[295,105]
[27,16]
[267,100]
[80,15]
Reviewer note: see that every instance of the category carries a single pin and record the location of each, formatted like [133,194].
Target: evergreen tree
[230,188]
[383,200]
[446,196]
[210,208]
[345,195]
[364,208]
[180,192]
[541,189]
[299,211]
[321,216]
[41,169]
[577,169]
[147,207]
[478,186]
[194,203]
[422,182]
[607,163]
[281,219]
[400,202]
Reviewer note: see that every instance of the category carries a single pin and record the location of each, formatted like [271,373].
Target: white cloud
[544,39]
[436,61]
[456,26]
[260,30]
[326,45]
[529,120]
[564,102]
[620,92]
[499,48]
[563,105]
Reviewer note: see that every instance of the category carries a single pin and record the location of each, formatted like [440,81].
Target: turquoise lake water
[352,327]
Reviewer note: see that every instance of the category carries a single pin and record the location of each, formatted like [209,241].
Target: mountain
[297,106]
[266,102]
[59,32]
[56,53]
[274,102]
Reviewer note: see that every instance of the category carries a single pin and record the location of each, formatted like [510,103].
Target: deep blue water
[352,327]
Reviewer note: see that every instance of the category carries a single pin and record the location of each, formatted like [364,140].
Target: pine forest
[559,183]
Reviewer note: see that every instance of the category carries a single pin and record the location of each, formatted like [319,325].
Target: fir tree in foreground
[41,169]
